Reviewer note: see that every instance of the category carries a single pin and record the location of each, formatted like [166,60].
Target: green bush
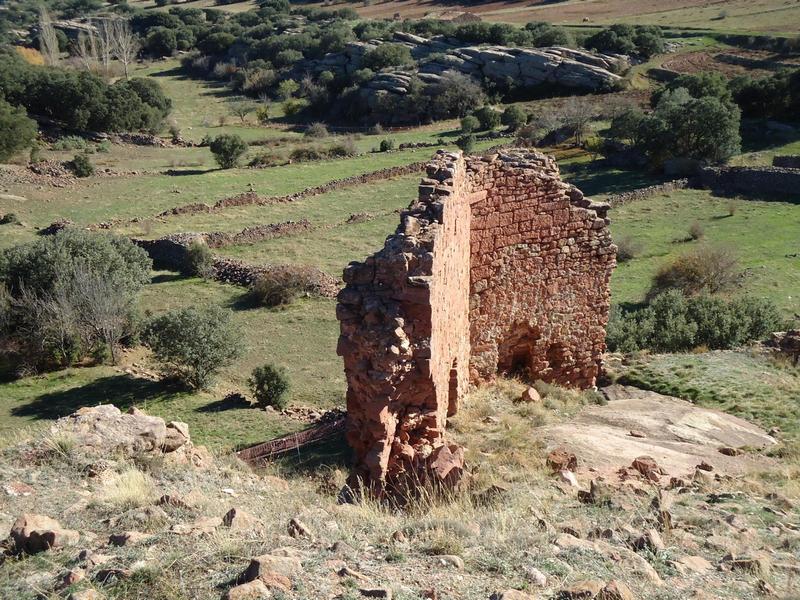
[387,55]
[469,124]
[227,149]
[387,145]
[628,248]
[199,260]
[317,130]
[278,287]
[488,118]
[270,386]
[17,131]
[81,165]
[514,117]
[466,143]
[673,323]
[193,344]
[70,142]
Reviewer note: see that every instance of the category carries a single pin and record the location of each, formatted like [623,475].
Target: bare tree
[86,51]
[125,44]
[105,41]
[48,41]
[578,113]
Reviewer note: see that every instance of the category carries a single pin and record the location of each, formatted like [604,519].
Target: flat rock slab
[676,433]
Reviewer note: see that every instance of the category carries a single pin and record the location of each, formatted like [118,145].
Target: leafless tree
[104,311]
[578,113]
[49,323]
[125,44]
[48,41]
[105,41]
[86,51]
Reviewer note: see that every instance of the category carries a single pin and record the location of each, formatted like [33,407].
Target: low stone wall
[255,234]
[789,161]
[758,181]
[171,253]
[647,192]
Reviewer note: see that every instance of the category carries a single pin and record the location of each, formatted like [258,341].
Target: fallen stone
[615,590]
[450,560]
[531,395]
[32,533]
[692,564]
[297,529]
[569,478]
[252,590]
[729,451]
[759,564]
[581,590]
[536,577]
[561,459]
[128,538]
[264,566]
[648,467]
[511,595]
[85,595]
[239,520]
[18,489]
[71,578]
[348,572]
[650,540]
[106,576]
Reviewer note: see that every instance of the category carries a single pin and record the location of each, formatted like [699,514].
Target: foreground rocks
[33,533]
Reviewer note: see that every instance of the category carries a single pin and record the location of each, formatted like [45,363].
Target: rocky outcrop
[31,534]
[497,266]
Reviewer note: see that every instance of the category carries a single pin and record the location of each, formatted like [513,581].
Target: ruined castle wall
[497,266]
[404,314]
[541,261]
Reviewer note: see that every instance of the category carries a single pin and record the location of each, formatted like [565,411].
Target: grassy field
[762,234]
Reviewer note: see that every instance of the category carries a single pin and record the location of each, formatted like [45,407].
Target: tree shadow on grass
[123,391]
[594,178]
[329,454]
[229,402]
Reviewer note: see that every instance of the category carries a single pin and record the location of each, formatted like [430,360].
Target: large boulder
[33,533]
[104,430]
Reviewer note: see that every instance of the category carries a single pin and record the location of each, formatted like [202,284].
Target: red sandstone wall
[541,260]
[498,266]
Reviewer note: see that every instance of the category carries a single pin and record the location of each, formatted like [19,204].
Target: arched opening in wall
[452,405]
[516,350]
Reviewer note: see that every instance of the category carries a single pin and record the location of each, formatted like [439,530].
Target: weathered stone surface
[498,266]
[37,533]
[252,590]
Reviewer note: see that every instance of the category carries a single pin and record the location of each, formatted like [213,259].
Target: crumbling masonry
[499,266]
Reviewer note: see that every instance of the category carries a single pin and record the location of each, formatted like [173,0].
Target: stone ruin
[498,267]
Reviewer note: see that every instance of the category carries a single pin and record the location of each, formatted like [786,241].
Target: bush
[387,55]
[17,131]
[294,106]
[387,145]
[514,117]
[628,248]
[696,231]
[488,118]
[262,115]
[228,149]
[193,344]
[704,270]
[199,260]
[70,142]
[469,124]
[278,287]
[81,166]
[317,130]
[72,294]
[466,143]
[270,386]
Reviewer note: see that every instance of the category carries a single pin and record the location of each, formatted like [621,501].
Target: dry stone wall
[498,265]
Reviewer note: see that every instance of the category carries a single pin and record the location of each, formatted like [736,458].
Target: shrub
[9,219]
[514,117]
[706,269]
[387,145]
[466,143]
[696,231]
[294,106]
[262,115]
[488,118]
[17,131]
[72,294]
[469,124]
[387,55]
[193,344]
[70,142]
[345,148]
[270,386]
[278,287]
[287,88]
[199,260]
[628,248]
[317,130]
[81,166]
[228,149]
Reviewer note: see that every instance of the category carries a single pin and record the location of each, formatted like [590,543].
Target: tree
[17,131]
[470,123]
[81,166]
[488,117]
[466,143]
[228,149]
[125,44]
[454,95]
[270,386]
[48,40]
[387,55]
[241,110]
[578,113]
[287,88]
[514,117]
[161,42]
[193,344]
[199,260]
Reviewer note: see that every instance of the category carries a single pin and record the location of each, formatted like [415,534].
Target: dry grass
[131,488]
